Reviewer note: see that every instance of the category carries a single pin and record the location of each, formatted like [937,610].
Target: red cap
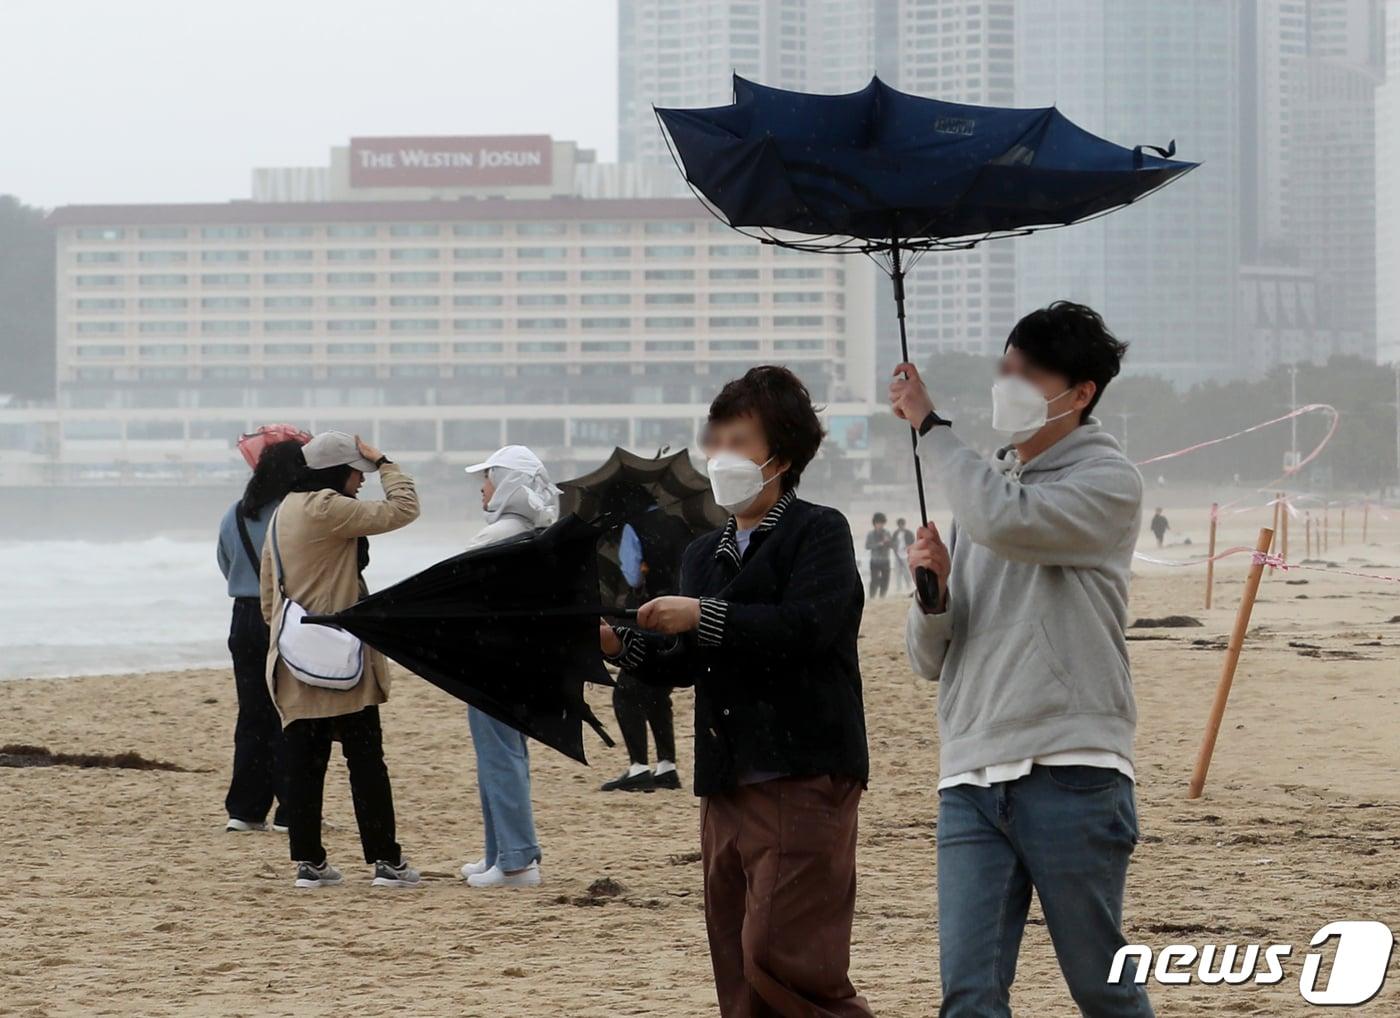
[252,446]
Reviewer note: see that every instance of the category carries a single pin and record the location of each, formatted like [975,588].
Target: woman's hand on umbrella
[608,640]
[670,615]
[909,396]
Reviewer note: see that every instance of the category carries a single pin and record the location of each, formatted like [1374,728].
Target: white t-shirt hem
[985,777]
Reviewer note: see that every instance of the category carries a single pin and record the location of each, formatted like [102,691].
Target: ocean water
[75,607]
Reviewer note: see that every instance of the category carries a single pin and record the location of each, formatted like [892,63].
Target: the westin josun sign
[520,159]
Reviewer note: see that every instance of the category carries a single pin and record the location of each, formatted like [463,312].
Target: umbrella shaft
[570,611]
[897,277]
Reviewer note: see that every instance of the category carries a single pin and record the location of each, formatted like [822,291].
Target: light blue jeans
[1067,832]
[503,778]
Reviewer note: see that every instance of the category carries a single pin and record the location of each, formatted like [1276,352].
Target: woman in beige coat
[320,533]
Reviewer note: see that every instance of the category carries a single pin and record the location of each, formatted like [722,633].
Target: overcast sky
[177,100]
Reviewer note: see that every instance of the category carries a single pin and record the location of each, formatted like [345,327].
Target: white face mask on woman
[1019,409]
[736,480]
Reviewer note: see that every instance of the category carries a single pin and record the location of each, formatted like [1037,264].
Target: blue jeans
[1066,831]
[503,778]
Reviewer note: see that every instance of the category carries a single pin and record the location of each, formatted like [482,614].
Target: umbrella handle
[926,582]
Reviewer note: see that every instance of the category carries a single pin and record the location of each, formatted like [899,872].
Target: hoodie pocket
[1005,675]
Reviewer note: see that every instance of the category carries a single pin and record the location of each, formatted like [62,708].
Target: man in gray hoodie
[1035,706]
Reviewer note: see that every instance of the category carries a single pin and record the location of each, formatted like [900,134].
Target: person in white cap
[518,498]
[316,550]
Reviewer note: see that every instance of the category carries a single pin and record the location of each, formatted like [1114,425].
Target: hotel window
[224,256]
[350,325]
[541,276]
[408,349]
[487,276]
[288,278]
[538,346]
[352,230]
[226,350]
[289,325]
[216,328]
[287,349]
[654,229]
[541,324]
[783,321]
[101,303]
[90,257]
[352,254]
[538,300]
[670,251]
[414,254]
[484,346]
[734,274]
[224,232]
[668,275]
[297,254]
[733,298]
[167,328]
[219,279]
[734,250]
[603,431]
[287,231]
[90,430]
[351,349]
[606,323]
[733,344]
[90,328]
[808,297]
[670,298]
[166,352]
[670,323]
[284,373]
[479,324]
[356,301]
[734,322]
[799,344]
[540,229]
[669,345]
[100,351]
[541,252]
[413,230]
[478,300]
[463,254]
[413,324]
[593,251]
[798,273]
[414,301]
[463,435]
[415,278]
[606,346]
[100,233]
[283,303]
[477,230]
[605,275]
[350,278]
[163,257]
[95,375]
[162,233]
[606,298]
[163,303]
[602,229]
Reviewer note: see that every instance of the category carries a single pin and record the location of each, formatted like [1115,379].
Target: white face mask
[736,480]
[1019,409]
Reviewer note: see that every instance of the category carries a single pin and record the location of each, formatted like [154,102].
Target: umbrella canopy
[510,628]
[667,501]
[881,165]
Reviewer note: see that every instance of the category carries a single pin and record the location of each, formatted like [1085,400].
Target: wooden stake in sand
[1232,658]
[1210,554]
[1283,542]
[1278,504]
[1307,529]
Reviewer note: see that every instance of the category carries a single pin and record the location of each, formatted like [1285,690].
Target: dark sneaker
[402,875]
[311,876]
[667,779]
[643,782]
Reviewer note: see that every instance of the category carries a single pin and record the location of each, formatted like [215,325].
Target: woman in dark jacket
[257,735]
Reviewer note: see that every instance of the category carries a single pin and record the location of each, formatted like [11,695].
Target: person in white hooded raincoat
[518,497]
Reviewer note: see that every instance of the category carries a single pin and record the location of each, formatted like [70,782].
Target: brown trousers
[780,895]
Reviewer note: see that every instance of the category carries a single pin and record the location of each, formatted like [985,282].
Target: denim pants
[1067,832]
[503,778]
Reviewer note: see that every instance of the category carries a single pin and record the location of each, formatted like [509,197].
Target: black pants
[879,578]
[307,753]
[257,735]
[636,705]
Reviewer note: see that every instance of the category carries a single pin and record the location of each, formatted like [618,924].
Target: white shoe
[236,826]
[311,876]
[496,877]
[279,828]
[473,869]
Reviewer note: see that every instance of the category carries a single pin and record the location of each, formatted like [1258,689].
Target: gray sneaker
[312,876]
[402,875]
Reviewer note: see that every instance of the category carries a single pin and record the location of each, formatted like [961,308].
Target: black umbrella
[883,173]
[665,499]
[510,628]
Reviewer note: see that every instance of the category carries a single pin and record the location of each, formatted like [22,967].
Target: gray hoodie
[1030,653]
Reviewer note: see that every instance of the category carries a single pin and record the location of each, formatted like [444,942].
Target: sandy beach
[123,896]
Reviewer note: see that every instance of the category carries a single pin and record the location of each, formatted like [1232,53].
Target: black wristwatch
[932,421]
[382,460]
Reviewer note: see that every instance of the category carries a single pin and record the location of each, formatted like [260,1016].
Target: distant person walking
[879,543]
[257,734]
[315,554]
[518,498]
[902,538]
[1159,526]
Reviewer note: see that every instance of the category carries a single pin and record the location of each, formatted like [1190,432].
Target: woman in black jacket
[765,629]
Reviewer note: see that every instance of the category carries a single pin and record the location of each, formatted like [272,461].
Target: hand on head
[366,450]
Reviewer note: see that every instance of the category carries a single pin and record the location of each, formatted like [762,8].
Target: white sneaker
[236,826]
[496,877]
[473,869]
[279,828]
[402,875]
[311,876]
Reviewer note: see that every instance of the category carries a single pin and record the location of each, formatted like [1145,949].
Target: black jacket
[775,665]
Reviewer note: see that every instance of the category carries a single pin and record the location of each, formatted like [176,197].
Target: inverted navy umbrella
[510,628]
[884,173]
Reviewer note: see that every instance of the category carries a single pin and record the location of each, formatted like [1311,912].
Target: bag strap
[245,538]
[276,553]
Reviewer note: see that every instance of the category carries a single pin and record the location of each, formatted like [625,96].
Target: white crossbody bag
[323,656]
